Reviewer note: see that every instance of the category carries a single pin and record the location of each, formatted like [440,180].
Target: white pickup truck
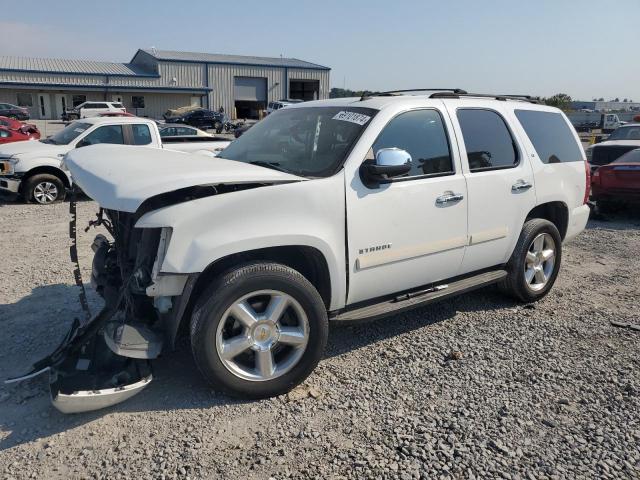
[337,210]
[34,168]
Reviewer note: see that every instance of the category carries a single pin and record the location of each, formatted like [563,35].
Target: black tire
[227,289]
[30,194]
[516,285]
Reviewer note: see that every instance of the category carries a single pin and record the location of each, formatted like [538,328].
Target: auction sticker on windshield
[352,117]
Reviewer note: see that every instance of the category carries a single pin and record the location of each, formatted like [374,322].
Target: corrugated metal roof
[169,55]
[59,65]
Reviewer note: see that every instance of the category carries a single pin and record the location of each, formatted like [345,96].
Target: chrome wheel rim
[262,335]
[45,192]
[540,261]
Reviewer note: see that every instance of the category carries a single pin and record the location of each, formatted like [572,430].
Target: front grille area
[606,154]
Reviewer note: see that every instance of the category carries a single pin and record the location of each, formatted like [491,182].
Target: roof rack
[523,98]
[390,93]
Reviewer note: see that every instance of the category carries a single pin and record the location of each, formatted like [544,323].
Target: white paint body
[427,243]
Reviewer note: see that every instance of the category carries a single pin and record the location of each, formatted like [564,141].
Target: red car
[617,183]
[14,131]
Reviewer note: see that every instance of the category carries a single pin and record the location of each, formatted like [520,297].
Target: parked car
[179,130]
[338,209]
[274,106]
[93,109]
[200,118]
[9,135]
[621,141]
[35,171]
[618,183]
[238,132]
[13,111]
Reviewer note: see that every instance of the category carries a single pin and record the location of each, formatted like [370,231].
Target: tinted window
[626,133]
[117,105]
[106,134]
[630,157]
[168,132]
[487,140]
[422,134]
[141,134]
[185,131]
[550,135]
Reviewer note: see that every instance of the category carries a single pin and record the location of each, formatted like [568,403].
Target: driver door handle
[520,185]
[449,197]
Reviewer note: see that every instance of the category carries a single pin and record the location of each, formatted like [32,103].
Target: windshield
[67,134]
[310,141]
[626,133]
[630,157]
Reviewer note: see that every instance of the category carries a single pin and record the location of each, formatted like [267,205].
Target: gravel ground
[475,387]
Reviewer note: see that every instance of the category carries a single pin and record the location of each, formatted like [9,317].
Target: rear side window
[487,139]
[550,135]
[422,134]
[141,134]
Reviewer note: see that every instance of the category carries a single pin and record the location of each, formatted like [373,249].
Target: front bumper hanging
[84,373]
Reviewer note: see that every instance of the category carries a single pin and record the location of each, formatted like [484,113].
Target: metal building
[157,80]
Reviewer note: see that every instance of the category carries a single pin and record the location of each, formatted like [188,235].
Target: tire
[44,189]
[217,126]
[519,282]
[215,326]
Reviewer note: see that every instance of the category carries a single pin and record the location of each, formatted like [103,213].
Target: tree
[601,99]
[559,100]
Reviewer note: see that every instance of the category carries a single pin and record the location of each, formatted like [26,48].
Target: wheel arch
[556,212]
[307,260]
[51,171]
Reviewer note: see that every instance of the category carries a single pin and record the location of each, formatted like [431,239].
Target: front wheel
[535,262]
[43,189]
[259,330]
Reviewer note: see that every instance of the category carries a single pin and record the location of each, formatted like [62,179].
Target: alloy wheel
[262,335]
[45,192]
[540,261]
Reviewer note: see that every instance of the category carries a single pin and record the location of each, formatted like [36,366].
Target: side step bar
[412,300]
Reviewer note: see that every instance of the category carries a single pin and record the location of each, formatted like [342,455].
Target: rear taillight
[587,182]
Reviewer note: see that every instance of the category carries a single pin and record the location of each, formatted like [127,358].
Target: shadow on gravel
[32,328]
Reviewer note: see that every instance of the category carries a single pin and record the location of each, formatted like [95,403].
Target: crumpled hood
[123,177]
[33,148]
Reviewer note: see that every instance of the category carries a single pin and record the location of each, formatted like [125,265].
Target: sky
[585,48]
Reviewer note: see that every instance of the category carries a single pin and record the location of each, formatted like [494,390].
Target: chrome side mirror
[388,164]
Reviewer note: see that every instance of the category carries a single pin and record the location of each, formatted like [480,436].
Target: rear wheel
[535,262]
[44,189]
[259,330]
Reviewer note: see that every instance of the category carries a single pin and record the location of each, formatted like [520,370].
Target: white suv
[329,210]
[95,109]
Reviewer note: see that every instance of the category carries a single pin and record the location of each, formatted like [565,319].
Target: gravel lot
[550,390]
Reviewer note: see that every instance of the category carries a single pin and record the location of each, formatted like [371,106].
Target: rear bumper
[577,221]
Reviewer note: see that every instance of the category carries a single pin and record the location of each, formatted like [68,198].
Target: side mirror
[389,163]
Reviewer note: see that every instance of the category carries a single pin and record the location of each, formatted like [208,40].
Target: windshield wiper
[49,140]
[272,165]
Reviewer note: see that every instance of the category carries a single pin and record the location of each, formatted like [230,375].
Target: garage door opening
[250,96]
[304,90]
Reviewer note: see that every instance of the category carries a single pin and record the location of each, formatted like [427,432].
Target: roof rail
[390,93]
[523,98]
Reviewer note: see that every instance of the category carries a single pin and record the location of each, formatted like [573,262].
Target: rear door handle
[449,197]
[520,185]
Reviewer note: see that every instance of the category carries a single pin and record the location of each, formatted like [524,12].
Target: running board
[412,300]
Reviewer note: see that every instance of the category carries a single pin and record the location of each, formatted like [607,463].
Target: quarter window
[550,135]
[487,139]
[422,134]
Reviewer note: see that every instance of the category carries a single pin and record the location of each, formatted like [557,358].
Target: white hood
[33,148]
[122,177]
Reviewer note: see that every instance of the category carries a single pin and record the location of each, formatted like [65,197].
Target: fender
[310,213]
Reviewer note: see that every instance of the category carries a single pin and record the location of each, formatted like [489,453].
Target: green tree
[559,100]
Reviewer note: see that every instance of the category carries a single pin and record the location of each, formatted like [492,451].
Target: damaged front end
[104,359]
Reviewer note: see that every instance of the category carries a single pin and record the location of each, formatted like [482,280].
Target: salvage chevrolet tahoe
[329,210]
